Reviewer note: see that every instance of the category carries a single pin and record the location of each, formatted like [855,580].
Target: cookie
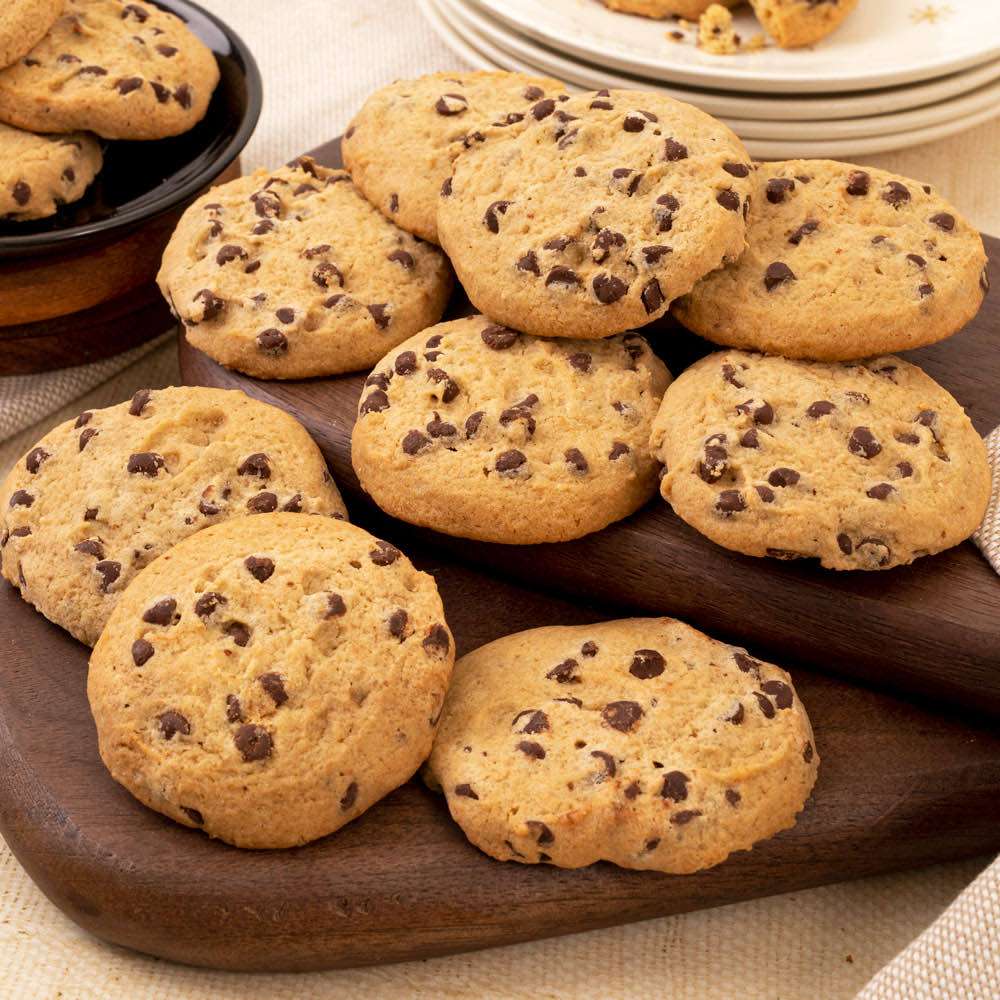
[122,70]
[269,680]
[844,262]
[38,173]
[399,147]
[641,742]
[101,496]
[691,9]
[478,431]
[716,33]
[591,218]
[862,466]
[23,23]
[291,273]
[801,22]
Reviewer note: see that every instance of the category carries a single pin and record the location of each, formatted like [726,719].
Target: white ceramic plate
[883,43]
[773,148]
[499,42]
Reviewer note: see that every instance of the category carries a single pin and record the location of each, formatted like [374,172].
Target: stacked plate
[897,72]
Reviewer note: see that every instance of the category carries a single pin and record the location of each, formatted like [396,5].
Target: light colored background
[320,58]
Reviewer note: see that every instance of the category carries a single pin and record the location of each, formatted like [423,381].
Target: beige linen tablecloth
[320,58]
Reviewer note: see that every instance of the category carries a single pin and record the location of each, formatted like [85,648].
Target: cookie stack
[73,72]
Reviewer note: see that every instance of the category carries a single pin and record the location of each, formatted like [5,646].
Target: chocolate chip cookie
[801,22]
[476,430]
[38,173]
[593,215]
[691,9]
[401,144]
[23,23]
[269,680]
[641,742]
[101,496]
[291,273]
[862,466]
[844,262]
[122,70]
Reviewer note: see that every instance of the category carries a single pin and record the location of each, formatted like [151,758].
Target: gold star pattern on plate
[929,14]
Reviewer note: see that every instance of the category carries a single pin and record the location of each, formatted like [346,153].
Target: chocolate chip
[161,613]
[778,188]
[674,150]
[807,752]
[675,786]
[379,313]
[384,554]
[821,408]
[171,723]
[472,424]
[375,402]
[510,461]
[863,443]
[806,229]
[499,338]
[349,797]
[128,84]
[529,263]
[451,104]
[776,274]
[765,493]
[684,816]
[253,742]
[207,603]
[736,169]
[256,464]
[733,797]
[749,438]
[260,567]
[632,791]
[145,463]
[564,673]
[272,341]
[646,664]
[783,477]
[401,257]
[845,543]
[90,514]
[532,93]
[926,289]
[904,469]
[560,275]
[607,288]
[896,194]
[944,221]
[446,187]
[414,441]
[465,790]
[450,389]
[538,721]
[263,503]
[576,461]
[83,419]
[858,183]
[729,200]
[764,704]
[234,710]
[437,642]
[622,715]
[275,687]
[780,692]
[142,652]
[491,218]
[880,491]
[543,109]
[730,502]
[735,715]
[531,749]
[238,632]
[652,297]
[167,51]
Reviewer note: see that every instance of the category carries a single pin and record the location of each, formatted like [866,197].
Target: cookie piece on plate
[23,23]
[793,23]
[478,431]
[590,219]
[38,173]
[400,145]
[291,273]
[642,742]
[122,70]
[101,496]
[844,262]
[269,680]
[862,466]
[691,9]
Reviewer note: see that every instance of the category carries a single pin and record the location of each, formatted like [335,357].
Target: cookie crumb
[716,33]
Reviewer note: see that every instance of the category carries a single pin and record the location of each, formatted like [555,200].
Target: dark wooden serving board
[898,787]
[931,629]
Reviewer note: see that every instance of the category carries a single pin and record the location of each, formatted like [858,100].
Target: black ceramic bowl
[142,181]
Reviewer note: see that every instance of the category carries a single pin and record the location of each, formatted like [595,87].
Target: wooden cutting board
[931,629]
[898,787]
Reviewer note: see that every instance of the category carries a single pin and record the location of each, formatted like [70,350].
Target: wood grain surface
[898,787]
[930,630]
